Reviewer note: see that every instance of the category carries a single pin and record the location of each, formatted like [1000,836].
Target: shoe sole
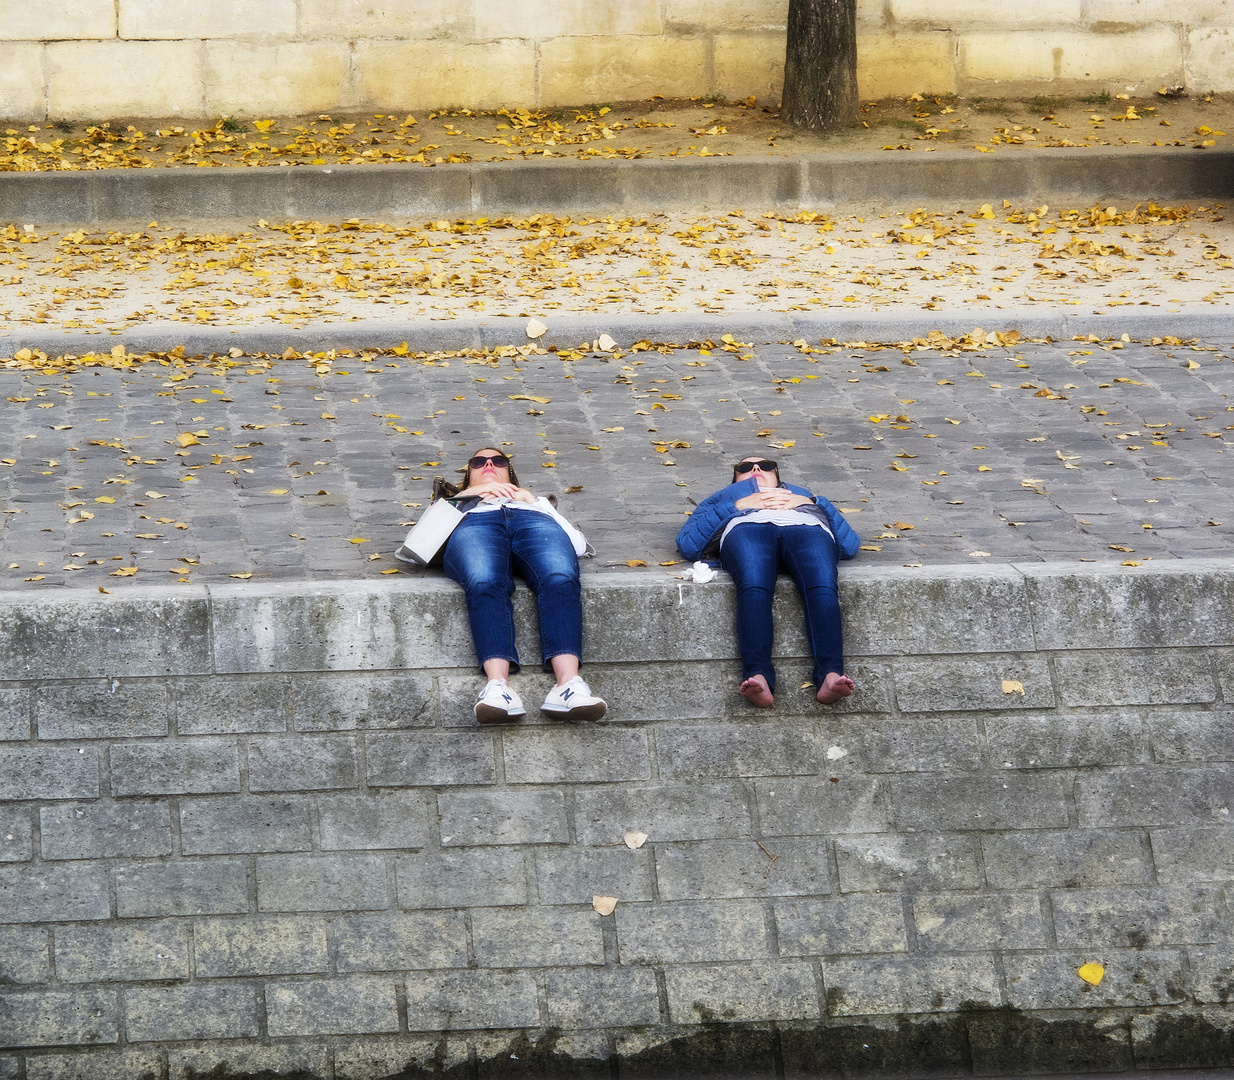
[490,714]
[582,714]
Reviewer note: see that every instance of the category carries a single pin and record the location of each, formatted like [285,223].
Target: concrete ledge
[572,186]
[568,331]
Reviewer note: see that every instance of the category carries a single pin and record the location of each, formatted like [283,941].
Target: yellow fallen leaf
[328,416]
[635,839]
[277,491]
[187,439]
[357,540]
[155,495]
[635,562]
[984,468]
[242,577]
[606,343]
[604,905]
[530,397]
[394,571]
[263,125]
[104,499]
[1091,973]
[535,328]
[979,554]
[107,591]
[124,571]
[870,547]
[1013,686]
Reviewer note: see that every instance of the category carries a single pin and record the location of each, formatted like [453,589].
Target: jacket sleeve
[847,540]
[711,515]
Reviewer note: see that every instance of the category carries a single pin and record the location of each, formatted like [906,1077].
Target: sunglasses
[499,461]
[743,467]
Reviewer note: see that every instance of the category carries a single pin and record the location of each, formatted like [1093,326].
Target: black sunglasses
[743,467]
[498,460]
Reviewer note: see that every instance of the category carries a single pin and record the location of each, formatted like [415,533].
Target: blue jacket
[714,512]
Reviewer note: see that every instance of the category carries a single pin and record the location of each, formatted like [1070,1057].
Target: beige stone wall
[83,59]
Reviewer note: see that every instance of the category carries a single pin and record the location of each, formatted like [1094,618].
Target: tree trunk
[820,65]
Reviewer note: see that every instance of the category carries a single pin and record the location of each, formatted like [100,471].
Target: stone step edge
[569,331]
[1028,608]
[571,186]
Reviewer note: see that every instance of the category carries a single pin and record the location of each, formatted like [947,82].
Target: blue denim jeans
[485,551]
[754,554]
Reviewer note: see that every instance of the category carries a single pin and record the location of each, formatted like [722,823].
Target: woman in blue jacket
[759,526]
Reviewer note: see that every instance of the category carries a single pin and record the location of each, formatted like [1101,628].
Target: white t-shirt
[541,505]
[776,517]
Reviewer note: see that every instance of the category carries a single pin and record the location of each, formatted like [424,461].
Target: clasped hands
[773,499]
[496,489]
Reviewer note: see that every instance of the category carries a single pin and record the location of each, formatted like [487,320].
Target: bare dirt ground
[655,128]
[941,258]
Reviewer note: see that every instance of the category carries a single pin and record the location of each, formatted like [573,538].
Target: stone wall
[92,59]
[254,827]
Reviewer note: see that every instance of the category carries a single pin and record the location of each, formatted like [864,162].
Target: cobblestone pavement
[1039,451]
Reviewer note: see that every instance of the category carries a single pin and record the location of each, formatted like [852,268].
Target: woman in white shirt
[758,526]
[507,530]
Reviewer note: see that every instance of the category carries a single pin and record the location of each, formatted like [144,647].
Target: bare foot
[756,691]
[835,687]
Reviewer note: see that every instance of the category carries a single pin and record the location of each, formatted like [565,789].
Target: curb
[572,186]
[567,331]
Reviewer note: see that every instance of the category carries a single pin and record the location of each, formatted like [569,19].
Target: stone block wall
[255,827]
[94,59]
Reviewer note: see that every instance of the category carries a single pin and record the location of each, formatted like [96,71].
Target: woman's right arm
[710,516]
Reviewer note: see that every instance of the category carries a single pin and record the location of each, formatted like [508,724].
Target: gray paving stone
[1154,796]
[1072,860]
[707,751]
[950,684]
[182,887]
[853,924]
[910,984]
[393,819]
[455,879]
[1010,801]
[678,811]
[59,1018]
[230,707]
[353,1005]
[462,1000]
[883,863]
[122,953]
[105,830]
[374,1058]
[401,942]
[575,756]
[288,764]
[1169,915]
[16,834]
[539,937]
[224,827]
[1132,978]
[189,767]
[108,1064]
[1212,975]
[574,875]
[15,717]
[470,819]
[1188,735]
[1075,740]
[1150,677]
[24,955]
[49,772]
[602,997]
[713,869]
[1189,855]
[436,759]
[264,945]
[692,932]
[789,807]
[363,702]
[955,922]
[910,744]
[321,883]
[102,709]
[732,993]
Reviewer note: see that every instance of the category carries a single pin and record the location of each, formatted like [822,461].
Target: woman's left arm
[847,540]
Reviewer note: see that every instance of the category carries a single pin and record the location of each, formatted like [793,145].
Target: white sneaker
[574,702]
[498,704]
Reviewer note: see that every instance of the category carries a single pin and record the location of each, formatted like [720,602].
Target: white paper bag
[429,535]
